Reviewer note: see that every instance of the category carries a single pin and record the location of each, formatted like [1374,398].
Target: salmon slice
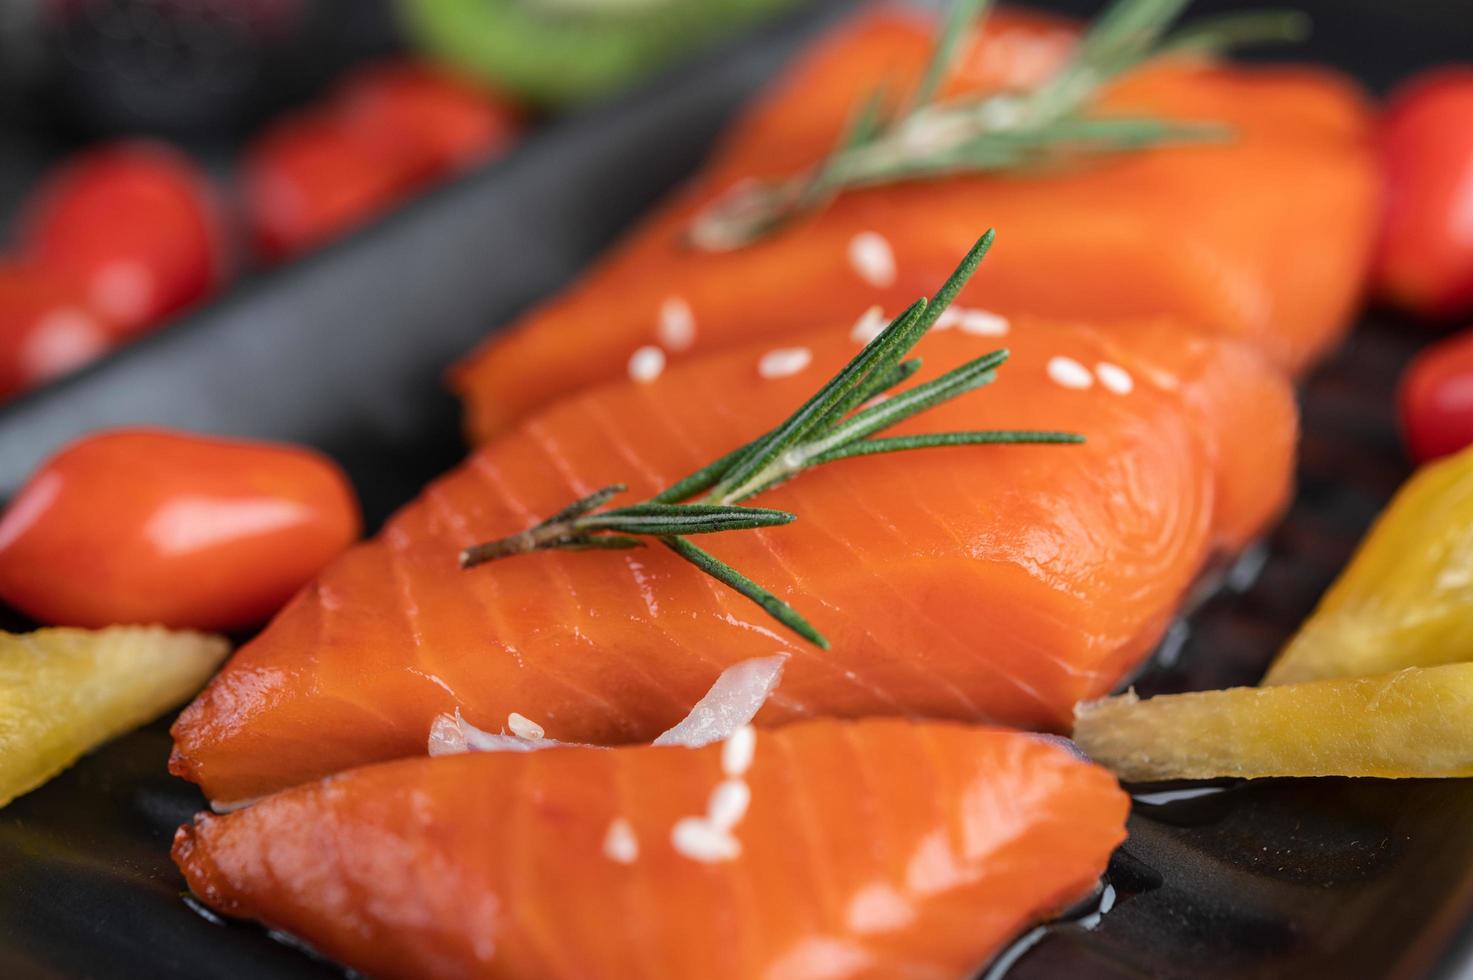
[1263,236]
[878,848]
[998,583]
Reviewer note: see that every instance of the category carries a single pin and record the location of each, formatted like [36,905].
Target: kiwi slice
[561,52]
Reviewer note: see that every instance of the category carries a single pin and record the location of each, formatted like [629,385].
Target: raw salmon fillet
[878,848]
[1263,236]
[998,583]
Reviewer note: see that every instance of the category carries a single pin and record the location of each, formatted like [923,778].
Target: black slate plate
[1331,878]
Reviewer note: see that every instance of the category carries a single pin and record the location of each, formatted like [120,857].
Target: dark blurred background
[201,73]
[206,74]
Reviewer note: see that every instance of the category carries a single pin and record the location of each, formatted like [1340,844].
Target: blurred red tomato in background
[389,130]
[1425,263]
[1436,399]
[135,224]
[310,178]
[455,122]
[46,327]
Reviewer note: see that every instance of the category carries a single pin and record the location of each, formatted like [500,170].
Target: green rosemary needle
[1012,130]
[838,422]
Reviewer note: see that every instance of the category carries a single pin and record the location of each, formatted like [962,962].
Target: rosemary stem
[836,422]
[532,539]
[927,136]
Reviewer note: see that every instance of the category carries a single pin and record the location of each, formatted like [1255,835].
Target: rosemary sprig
[839,421]
[1051,123]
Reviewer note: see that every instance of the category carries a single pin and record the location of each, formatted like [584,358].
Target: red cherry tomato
[311,178]
[46,328]
[1425,263]
[1436,399]
[456,122]
[136,225]
[147,526]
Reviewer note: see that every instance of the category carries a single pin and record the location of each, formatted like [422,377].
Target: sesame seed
[981,323]
[620,844]
[871,324]
[698,839]
[523,727]
[728,804]
[647,364]
[677,327]
[1115,378]
[872,257]
[1069,373]
[784,362]
[737,751]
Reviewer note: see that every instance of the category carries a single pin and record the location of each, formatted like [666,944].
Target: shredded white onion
[452,734]
[733,701]
[1067,744]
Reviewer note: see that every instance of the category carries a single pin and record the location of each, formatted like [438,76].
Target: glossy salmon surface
[993,583]
[879,848]
[1263,235]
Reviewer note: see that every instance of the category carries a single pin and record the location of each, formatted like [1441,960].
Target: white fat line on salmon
[1069,373]
[1138,369]
[233,805]
[677,325]
[978,323]
[871,324]
[620,844]
[1162,378]
[523,727]
[784,362]
[872,257]
[1114,378]
[647,363]
[709,838]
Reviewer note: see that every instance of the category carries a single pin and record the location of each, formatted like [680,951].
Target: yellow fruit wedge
[1416,722]
[65,691]
[1406,598]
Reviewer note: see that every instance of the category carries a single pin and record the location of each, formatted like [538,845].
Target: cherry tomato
[136,224]
[46,328]
[1436,399]
[456,122]
[149,526]
[1425,262]
[311,178]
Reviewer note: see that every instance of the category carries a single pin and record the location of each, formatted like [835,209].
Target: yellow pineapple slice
[1415,722]
[1406,598]
[65,691]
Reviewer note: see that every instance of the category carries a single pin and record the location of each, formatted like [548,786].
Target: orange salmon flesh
[1263,235]
[869,849]
[998,583]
